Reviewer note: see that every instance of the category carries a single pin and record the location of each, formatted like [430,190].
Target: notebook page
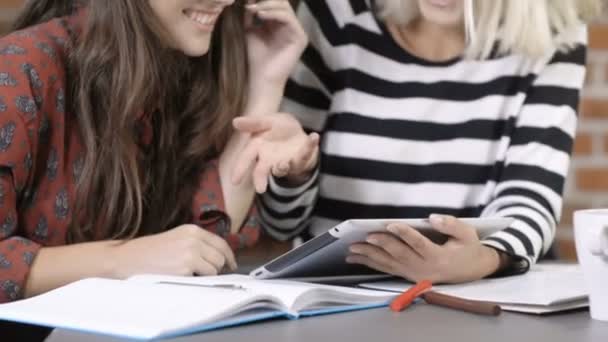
[289,292]
[130,309]
[286,293]
[543,285]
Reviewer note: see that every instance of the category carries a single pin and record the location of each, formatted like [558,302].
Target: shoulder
[43,44]
[33,65]
[571,46]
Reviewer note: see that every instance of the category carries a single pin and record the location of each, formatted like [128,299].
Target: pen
[407,298]
[423,289]
[474,306]
[214,286]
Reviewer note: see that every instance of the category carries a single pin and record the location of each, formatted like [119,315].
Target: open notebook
[151,307]
[546,288]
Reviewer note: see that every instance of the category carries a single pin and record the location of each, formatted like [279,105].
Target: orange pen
[407,298]
[423,289]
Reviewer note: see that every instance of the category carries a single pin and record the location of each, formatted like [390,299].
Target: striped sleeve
[285,211]
[537,160]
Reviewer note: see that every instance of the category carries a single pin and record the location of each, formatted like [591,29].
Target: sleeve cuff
[519,264]
[16,258]
[276,187]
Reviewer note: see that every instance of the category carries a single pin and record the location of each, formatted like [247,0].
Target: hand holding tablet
[325,255]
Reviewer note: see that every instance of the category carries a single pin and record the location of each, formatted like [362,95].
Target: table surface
[420,322]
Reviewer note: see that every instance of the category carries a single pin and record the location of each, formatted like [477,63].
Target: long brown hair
[121,70]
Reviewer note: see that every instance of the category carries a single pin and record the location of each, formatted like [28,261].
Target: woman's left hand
[275,40]
[409,254]
[276,145]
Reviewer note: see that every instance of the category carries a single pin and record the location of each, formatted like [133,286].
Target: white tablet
[325,255]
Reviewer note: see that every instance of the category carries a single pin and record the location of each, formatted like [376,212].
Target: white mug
[591,237]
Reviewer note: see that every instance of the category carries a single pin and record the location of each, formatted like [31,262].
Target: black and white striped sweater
[405,137]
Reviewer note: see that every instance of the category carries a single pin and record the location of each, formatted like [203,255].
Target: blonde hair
[528,27]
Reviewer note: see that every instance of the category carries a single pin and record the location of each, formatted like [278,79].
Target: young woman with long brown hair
[117,144]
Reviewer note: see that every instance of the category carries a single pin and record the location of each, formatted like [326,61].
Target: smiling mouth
[204,19]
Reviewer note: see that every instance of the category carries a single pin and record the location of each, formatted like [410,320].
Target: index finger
[454,227]
[221,246]
[413,238]
[252,125]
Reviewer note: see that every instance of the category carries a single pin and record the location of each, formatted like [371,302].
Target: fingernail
[392,229]
[354,249]
[437,219]
[372,240]
[350,260]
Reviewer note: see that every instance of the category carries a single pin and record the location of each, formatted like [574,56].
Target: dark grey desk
[419,323]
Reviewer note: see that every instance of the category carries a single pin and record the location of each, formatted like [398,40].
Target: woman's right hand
[184,251]
[277,146]
[275,43]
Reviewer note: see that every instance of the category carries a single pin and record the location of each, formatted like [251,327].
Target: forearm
[281,198]
[238,198]
[264,97]
[58,266]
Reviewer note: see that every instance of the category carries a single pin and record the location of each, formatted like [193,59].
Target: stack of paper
[544,289]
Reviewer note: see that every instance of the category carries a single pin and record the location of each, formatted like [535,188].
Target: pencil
[474,306]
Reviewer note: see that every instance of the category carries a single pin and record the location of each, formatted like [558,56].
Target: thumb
[252,125]
[451,226]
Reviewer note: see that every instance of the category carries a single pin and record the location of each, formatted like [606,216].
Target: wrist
[111,262]
[492,261]
[260,88]
[295,180]
[264,98]
[256,81]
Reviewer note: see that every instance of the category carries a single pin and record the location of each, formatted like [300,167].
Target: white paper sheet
[545,288]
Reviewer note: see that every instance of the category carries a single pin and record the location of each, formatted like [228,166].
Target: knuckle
[221,260]
[217,260]
[184,271]
[393,249]
[191,229]
[215,241]
[417,243]
[451,221]
[400,253]
[188,242]
[192,260]
[360,259]
[212,271]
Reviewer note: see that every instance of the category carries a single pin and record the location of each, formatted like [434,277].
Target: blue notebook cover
[263,316]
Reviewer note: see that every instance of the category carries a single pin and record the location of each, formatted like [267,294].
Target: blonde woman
[440,109]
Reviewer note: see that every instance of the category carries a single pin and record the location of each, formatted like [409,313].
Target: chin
[195,51]
[193,47]
[445,20]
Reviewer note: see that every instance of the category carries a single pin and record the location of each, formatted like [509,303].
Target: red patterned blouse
[41,156]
